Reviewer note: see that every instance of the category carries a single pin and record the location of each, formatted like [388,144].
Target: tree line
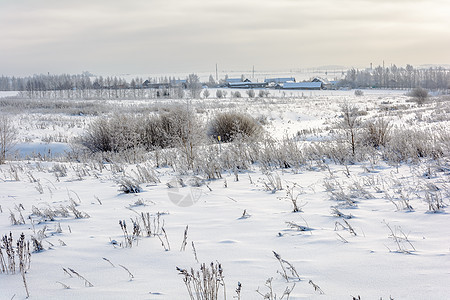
[398,78]
[85,86]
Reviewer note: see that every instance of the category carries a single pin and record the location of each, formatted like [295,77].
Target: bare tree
[8,135]
[211,81]
[350,124]
[194,86]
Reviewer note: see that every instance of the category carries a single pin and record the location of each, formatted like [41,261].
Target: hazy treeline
[83,86]
[88,86]
[398,78]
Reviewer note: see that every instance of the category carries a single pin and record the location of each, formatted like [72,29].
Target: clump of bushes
[230,125]
[359,93]
[109,134]
[377,133]
[118,133]
[419,95]
[408,144]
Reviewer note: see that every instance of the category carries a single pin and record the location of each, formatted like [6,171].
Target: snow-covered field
[385,244]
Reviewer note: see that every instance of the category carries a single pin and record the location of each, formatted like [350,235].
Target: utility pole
[217,77]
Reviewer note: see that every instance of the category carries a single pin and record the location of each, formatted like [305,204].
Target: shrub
[152,135]
[408,144]
[219,94]
[251,93]
[419,95]
[112,134]
[359,93]
[229,125]
[237,94]
[377,133]
[178,93]
[176,127]
[263,93]
[8,134]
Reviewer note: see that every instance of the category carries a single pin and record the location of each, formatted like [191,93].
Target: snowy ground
[344,257]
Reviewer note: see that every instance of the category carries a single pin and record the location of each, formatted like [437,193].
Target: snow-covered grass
[368,227]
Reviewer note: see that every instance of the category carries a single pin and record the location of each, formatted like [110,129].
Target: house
[179,83]
[326,85]
[246,85]
[235,80]
[334,84]
[279,80]
[147,84]
[302,86]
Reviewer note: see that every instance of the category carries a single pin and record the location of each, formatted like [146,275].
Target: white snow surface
[342,264]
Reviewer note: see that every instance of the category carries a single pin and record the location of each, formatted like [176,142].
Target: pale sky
[157,36]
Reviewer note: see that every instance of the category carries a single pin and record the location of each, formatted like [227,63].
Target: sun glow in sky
[146,36]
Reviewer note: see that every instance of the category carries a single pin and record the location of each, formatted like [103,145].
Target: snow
[340,263]
[4,94]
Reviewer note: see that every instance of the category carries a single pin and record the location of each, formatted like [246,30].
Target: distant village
[283,83]
[89,86]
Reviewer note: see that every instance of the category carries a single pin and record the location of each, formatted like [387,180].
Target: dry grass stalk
[195,252]
[86,282]
[400,239]
[316,287]
[287,266]
[204,284]
[21,250]
[129,273]
[184,243]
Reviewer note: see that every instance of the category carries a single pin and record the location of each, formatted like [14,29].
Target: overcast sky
[157,36]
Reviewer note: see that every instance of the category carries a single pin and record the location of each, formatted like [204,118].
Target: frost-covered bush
[231,124]
[419,95]
[359,93]
[412,144]
[236,94]
[110,134]
[263,93]
[376,132]
[8,135]
[176,127]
